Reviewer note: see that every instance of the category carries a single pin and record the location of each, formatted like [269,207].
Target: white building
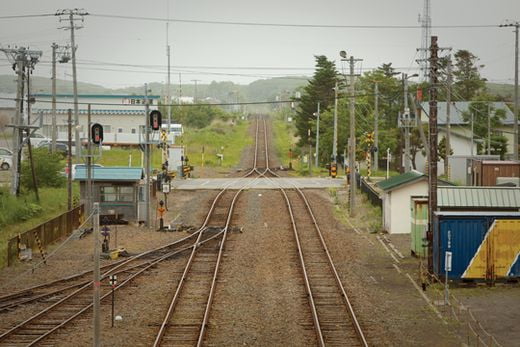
[461,141]
[398,192]
[122,116]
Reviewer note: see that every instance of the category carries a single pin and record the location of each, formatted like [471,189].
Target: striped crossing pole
[40,247]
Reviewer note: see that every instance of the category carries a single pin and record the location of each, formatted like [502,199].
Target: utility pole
[376,126]
[64,58]
[54,129]
[447,169]
[407,123]
[489,130]
[97,280]
[195,94]
[406,114]
[352,148]
[516,25]
[28,132]
[432,167]
[21,58]
[69,160]
[72,13]
[17,138]
[472,133]
[147,156]
[317,136]
[335,136]
[168,54]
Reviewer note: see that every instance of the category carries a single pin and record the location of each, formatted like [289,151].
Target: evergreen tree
[319,89]
[467,76]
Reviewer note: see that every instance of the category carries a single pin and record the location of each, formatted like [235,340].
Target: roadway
[257,183]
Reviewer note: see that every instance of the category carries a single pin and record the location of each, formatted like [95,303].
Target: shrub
[47,167]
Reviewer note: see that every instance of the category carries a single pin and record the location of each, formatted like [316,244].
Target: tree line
[468,85]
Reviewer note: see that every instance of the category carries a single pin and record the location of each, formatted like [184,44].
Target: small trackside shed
[486,172]
[399,194]
[115,188]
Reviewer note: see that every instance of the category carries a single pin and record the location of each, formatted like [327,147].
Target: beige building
[122,116]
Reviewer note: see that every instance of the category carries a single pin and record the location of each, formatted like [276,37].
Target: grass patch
[367,217]
[221,137]
[14,219]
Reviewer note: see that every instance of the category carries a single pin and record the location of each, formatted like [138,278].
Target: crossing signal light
[155,120]
[97,133]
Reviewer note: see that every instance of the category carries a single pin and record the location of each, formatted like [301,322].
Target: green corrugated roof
[123,174]
[397,181]
[475,197]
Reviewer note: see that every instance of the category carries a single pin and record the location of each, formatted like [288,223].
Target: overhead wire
[289,25]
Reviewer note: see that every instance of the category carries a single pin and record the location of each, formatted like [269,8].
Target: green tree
[319,89]
[467,76]
[481,109]
[441,149]
[47,167]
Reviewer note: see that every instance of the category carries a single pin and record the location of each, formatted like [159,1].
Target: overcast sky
[198,48]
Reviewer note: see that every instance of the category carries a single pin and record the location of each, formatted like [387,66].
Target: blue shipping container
[482,244]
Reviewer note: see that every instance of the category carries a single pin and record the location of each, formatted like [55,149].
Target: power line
[331,26]
[28,16]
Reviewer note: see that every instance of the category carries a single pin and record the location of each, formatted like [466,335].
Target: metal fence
[45,233]
[372,195]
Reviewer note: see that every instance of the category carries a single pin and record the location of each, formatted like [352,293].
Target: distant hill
[260,90]
[505,91]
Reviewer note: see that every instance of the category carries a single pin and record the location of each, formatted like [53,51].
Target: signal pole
[147,156]
[71,18]
[432,167]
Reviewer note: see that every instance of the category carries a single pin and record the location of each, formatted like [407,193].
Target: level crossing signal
[97,133]
[155,120]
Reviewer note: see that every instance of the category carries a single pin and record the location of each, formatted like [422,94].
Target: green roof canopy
[117,174]
[396,181]
[479,197]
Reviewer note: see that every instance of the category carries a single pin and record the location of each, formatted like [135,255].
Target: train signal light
[155,120]
[97,133]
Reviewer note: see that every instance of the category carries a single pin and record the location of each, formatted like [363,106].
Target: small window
[120,130]
[134,131]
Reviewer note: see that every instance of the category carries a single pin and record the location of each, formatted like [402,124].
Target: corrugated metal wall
[483,247]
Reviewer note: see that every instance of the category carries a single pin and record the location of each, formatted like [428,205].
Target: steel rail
[176,297]
[199,232]
[119,286]
[340,286]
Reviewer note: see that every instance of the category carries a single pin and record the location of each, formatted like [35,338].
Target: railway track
[70,297]
[333,316]
[188,312]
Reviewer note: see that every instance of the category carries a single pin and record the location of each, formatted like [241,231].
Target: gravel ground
[260,299]
[391,311]
[76,256]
